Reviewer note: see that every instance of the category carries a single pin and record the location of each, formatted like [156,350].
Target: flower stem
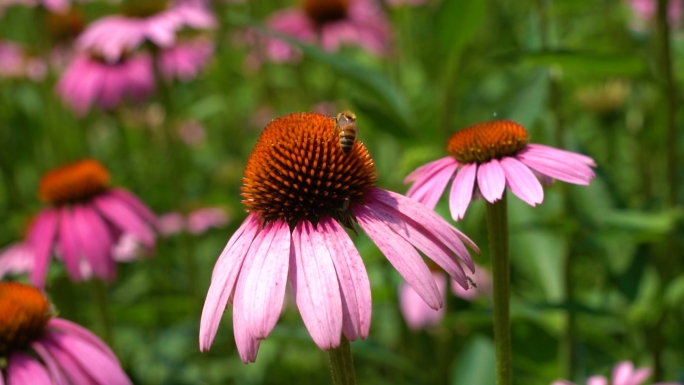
[342,364]
[100,291]
[497,227]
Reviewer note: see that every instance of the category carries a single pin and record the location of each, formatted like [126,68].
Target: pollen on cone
[24,313]
[485,141]
[73,182]
[298,170]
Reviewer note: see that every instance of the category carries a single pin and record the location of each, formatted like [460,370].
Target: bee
[346,127]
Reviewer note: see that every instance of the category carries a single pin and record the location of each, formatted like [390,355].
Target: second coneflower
[301,190]
[84,219]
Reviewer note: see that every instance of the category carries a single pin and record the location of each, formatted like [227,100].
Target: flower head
[301,190]
[495,154]
[330,23]
[114,36]
[89,80]
[84,219]
[42,349]
[624,373]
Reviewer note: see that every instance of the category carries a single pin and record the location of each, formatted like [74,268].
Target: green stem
[100,291]
[342,364]
[497,227]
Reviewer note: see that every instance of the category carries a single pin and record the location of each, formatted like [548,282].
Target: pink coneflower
[645,12]
[185,59]
[330,23]
[84,220]
[301,190]
[39,348]
[114,36]
[418,315]
[624,373]
[196,222]
[89,80]
[495,154]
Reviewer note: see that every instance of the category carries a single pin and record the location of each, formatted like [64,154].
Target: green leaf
[530,102]
[458,21]
[476,364]
[579,62]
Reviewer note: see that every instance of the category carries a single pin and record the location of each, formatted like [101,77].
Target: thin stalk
[497,227]
[100,291]
[342,364]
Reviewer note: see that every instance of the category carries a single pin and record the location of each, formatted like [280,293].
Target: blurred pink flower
[84,220]
[185,59]
[39,348]
[294,232]
[114,36]
[624,373]
[16,63]
[16,259]
[419,315]
[88,80]
[495,154]
[197,221]
[192,132]
[645,12]
[330,23]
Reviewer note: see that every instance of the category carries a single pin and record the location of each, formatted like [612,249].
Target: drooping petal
[522,181]
[557,153]
[41,237]
[95,241]
[429,188]
[124,217]
[577,173]
[462,190]
[72,370]
[428,168]
[353,278]
[133,201]
[223,279]
[597,380]
[53,368]
[22,369]
[266,278]
[401,255]
[247,345]
[418,237]
[16,258]
[417,314]
[491,180]
[431,221]
[316,289]
[82,333]
[69,244]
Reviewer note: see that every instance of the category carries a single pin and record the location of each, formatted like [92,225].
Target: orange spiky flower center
[325,11]
[485,141]
[24,314]
[297,171]
[74,182]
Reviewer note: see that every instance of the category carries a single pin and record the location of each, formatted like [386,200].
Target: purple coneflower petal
[22,369]
[124,217]
[71,369]
[522,181]
[316,289]
[247,345]
[577,173]
[401,255]
[82,333]
[593,380]
[41,237]
[69,244]
[53,368]
[557,153]
[16,258]
[624,374]
[353,278]
[427,168]
[415,311]
[491,180]
[266,278]
[419,237]
[223,279]
[431,221]
[95,241]
[431,183]
[462,190]
[133,201]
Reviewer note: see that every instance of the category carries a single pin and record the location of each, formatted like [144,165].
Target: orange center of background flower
[73,182]
[297,171]
[24,314]
[485,141]
[324,11]
[66,26]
